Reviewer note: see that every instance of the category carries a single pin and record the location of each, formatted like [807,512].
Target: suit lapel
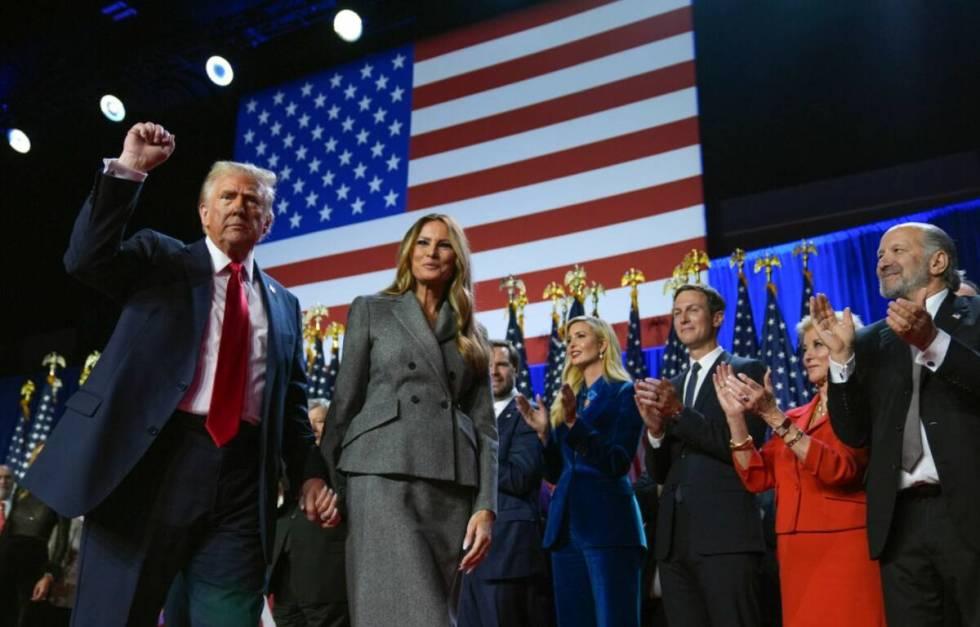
[200,280]
[276,320]
[408,312]
[604,392]
[898,354]
[506,425]
[951,313]
[704,392]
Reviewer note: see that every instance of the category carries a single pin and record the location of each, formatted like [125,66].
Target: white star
[327,178]
[342,192]
[294,220]
[304,121]
[364,104]
[311,198]
[298,186]
[250,107]
[301,153]
[317,132]
[319,100]
[362,136]
[390,198]
[260,149]
[359,171]
[350,92]
[282,206]
[249,136]
[290,109]
[314,165]
[325,213]
[393,162]
[345,157]
[333,112]
[374,184]
[396,94]
[335,80]
[379,115]
[347,125]
[366,71]
[357,206]
[276,129]
[264,117]
[288,140]
[306,89]
[331,145]
[398,61]
[286,173]
[395,128]
[273,160]
[277,99]
[377,149]
[381,82]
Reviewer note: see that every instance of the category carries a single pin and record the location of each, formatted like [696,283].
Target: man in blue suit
[511,586]
[174,445]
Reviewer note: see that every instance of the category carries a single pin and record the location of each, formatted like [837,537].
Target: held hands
[146,146]
[657,401]
[477,540]
[536,417]
[838,335]
[911,322]
[320,503]
[743,394]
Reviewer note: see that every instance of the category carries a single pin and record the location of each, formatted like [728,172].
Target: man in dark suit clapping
[511,587]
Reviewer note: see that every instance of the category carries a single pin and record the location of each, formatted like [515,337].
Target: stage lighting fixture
[220,71]
[18,140]
[347,25]
[112,108]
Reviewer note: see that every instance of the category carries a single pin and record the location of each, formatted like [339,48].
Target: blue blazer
[164,287]
[516,547]
[588,463]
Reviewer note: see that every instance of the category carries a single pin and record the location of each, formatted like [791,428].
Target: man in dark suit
[306,576]
[908,386]
[511,586]
[709,534]
[173,447]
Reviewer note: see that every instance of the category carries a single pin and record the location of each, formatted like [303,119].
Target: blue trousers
[597,587]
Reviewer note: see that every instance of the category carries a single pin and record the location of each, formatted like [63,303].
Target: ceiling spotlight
[219,71]
[112,108]
[347,25]
[18,140]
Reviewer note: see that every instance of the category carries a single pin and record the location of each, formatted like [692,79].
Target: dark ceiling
[791,92]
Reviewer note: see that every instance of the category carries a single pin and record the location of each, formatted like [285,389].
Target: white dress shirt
[707,363]
[932,358]
[501,405]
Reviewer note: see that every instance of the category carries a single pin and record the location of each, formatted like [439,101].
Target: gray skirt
[404,545]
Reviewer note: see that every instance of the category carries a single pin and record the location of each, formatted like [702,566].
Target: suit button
[153,431]
[415,399]
[899,427]
[411,365]
[181,386]
[452,376]
[444,404]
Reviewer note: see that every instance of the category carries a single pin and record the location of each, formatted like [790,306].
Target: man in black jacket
[709,533]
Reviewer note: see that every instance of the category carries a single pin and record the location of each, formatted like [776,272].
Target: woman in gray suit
[410,437]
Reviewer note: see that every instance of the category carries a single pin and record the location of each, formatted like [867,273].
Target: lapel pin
[957,315]
[272,288]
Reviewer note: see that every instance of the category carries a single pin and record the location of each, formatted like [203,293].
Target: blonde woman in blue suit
[594,531]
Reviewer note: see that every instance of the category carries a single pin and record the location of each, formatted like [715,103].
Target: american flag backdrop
[566,133]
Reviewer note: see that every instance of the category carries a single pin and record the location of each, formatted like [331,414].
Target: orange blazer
[823,492]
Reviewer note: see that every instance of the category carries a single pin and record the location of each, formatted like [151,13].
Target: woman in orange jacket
[826,576]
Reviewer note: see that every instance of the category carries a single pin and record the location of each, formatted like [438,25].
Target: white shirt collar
[707,361]
[501,405]
[933,302]
[220,261]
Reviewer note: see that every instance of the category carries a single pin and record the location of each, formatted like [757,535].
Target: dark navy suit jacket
[164,287]
[589,463]
[516,548]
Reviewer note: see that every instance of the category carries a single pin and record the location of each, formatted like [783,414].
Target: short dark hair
[715,302]
[512,354]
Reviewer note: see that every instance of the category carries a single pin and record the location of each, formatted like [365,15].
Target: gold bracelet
[741,446]
[796,438]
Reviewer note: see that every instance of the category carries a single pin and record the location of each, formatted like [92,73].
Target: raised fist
[147,145]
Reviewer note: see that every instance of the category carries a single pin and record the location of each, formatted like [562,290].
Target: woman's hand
[536,417]
[754,397]
[477,539]
[42,588]
[569,405]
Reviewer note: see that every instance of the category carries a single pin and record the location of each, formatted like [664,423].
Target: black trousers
[22,562]
[708,590]
[930,576]
[517,602]
[190,507]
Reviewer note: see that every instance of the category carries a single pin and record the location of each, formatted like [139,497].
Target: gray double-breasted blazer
[406,402]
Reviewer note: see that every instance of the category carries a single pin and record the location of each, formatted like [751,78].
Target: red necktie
[228,393]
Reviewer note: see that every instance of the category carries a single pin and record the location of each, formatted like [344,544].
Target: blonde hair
[469,338]
[612,363]
[806,323]
[264,179]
